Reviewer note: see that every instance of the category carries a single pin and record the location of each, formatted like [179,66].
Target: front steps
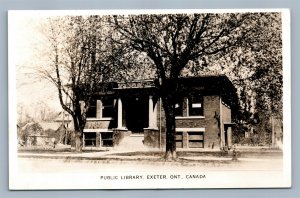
[133,142]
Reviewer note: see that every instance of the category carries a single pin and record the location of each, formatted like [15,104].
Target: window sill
[189,117]
[99,119]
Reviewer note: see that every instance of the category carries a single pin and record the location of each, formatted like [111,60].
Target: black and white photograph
[149,99]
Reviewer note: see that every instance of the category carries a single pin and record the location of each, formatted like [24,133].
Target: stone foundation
[118,135]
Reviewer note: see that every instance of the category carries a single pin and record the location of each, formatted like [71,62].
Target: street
[44,165]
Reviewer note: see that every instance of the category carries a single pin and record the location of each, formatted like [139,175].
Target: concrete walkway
[149,155]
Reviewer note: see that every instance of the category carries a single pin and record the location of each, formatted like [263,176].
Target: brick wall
[211,108]
[226,113]
[226,118]
[209,121]
[211,105]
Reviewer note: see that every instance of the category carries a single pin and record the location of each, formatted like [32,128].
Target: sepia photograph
[149,99]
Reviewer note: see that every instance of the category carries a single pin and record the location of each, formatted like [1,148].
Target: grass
[245,153]
[50,150]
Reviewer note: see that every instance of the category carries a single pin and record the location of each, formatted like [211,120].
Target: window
[108,107]
[178,139]
[195,105]
[107,139]
[178,109]
[90,139]
[196,139]
[92,111]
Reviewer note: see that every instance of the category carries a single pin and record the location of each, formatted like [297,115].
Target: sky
[26,49]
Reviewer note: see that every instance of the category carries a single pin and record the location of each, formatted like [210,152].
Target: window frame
[179,108]
[190,105]
[90,108]
[177,141]
[90,138]
[200,133]
[100,116]
[107,106]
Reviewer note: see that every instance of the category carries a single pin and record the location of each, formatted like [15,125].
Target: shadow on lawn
[245,154]
[54,150]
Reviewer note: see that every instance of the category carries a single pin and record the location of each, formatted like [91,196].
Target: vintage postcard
[149,99]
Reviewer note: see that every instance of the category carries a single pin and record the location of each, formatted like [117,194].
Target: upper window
[107,110]
[196,105]
[92,111]
[178,108]
[107,107]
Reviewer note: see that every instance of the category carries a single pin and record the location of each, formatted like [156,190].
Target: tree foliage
[81,62]
[192,44]
[244,46]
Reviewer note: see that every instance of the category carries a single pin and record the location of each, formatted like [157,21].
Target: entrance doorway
[137,115]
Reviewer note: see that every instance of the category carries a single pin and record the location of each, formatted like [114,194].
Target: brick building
[133,112]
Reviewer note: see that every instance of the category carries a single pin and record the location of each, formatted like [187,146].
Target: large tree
[178,44]
[257,73]
[81,63]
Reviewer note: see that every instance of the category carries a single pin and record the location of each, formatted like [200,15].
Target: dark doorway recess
[136,115]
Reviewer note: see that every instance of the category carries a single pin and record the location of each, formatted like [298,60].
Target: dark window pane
[107,139]
[108,107]
[196,139]
[90,139]
[178,139]
[92,111]
[196,105]
[178,108]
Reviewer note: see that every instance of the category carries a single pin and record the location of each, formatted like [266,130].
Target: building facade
[133,112]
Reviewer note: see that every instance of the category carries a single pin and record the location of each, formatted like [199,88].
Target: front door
[136,114]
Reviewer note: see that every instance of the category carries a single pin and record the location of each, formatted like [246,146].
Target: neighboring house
[65,119]
[32,134]
[40,134]
[134,109]
[65,122]
[55,130]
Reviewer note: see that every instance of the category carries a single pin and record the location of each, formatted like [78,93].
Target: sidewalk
[154,155]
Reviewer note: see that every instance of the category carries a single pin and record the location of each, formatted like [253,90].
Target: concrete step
[133,142]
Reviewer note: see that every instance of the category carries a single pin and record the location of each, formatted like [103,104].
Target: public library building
[133,112]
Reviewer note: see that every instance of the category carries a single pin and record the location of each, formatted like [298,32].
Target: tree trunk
[78,133]
[78,141]
[170,128]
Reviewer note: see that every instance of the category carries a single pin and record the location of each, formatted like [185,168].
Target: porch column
[155,116]
[99,109]
[152,114]
[120,114]
[83,140]
[229,136]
